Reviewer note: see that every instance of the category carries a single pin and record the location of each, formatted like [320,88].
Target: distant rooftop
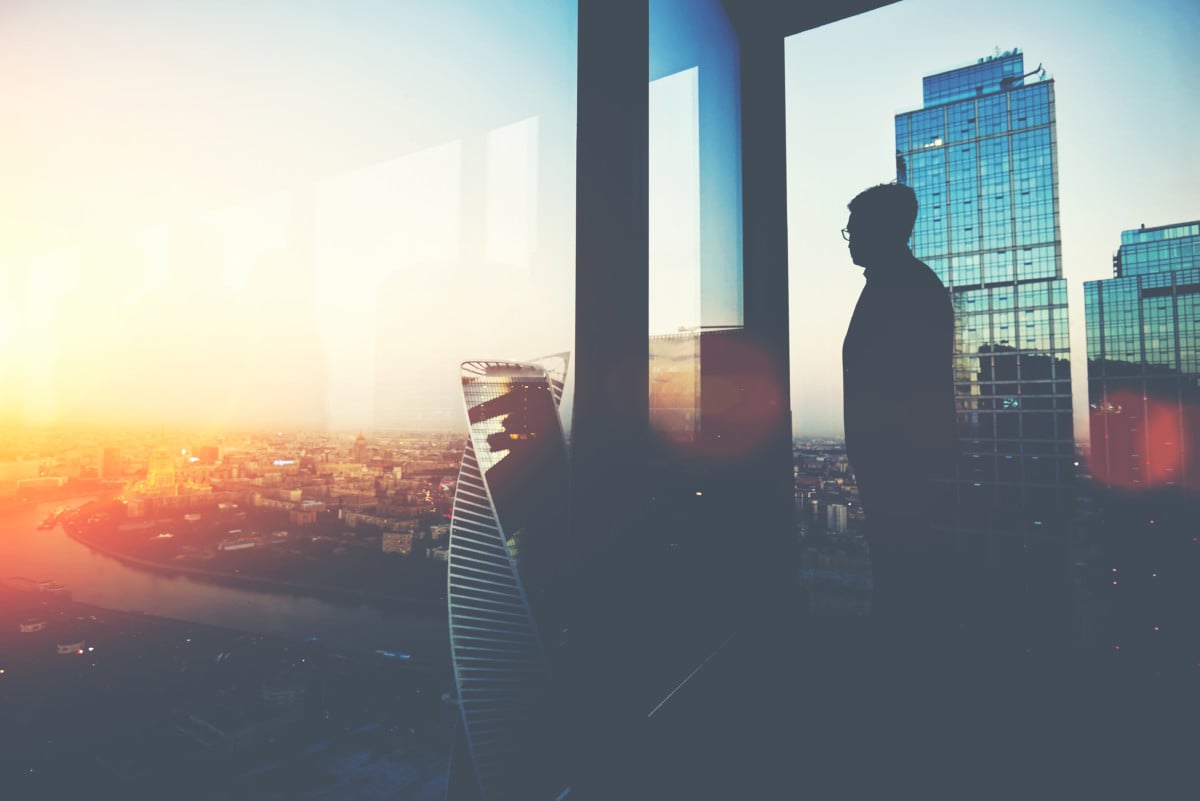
[1136,236]
[989,74]
[1015,53]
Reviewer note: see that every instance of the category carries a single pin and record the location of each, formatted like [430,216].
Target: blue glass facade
[985,76]
[1143,344]
[981,157]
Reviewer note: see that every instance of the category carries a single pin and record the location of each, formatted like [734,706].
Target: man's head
[881,221]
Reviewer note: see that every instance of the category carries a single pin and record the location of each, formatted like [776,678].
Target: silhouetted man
[899,404]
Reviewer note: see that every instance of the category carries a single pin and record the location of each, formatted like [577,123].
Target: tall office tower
[981,157]
[1143,344]
[504,585]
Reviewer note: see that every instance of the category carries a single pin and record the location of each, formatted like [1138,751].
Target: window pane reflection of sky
[695,167]
[298,235]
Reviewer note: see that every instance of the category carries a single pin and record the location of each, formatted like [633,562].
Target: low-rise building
[398,542]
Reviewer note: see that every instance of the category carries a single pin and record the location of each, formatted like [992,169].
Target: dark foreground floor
[827,708]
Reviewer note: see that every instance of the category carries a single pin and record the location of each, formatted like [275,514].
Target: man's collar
[893,267]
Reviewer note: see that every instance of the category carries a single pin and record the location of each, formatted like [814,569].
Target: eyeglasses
[846,234]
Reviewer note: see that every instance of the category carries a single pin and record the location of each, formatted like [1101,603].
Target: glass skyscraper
[506,611]
[981,157]
[1143,344]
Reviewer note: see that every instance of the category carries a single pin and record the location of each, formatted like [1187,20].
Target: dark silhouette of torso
[898,389]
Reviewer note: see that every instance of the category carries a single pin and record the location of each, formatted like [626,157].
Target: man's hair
[889,211]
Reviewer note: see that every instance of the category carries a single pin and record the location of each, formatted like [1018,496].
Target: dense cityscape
[335,518]
[227,710]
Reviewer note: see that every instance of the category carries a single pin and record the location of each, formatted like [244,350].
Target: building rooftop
[1136,236]
[1015,53]
[987,75]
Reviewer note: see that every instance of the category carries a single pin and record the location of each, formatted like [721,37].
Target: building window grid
[1158,255]
[993,114]
[1058,289]
[1156,334]
[988,230]
[961,122]
[1030,105]
[1188,316]
[902,133]
[973,214]
[963,188]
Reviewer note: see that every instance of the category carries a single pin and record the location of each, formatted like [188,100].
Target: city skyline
[1104,58]
[316,297]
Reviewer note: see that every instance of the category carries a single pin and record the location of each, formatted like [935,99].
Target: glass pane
[255,243]
[695,255]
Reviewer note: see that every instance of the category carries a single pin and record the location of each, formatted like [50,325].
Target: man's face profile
[855,244]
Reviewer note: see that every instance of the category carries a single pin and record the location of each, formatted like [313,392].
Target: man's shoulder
[926,282]
[912,274]
[927,275]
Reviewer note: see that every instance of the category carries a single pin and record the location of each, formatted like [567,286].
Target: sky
[289,213]
[306,214]
[1127,79]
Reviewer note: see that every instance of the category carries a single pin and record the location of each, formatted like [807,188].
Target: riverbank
[13,506]
[256,582]
[75,489]
[335,619]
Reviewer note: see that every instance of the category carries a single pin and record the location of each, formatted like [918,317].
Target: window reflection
[254,241]
[695,231]
[674,204]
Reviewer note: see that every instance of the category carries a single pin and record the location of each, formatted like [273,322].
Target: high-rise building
[981,156]
[1143,345]
[506,609]
[208,454]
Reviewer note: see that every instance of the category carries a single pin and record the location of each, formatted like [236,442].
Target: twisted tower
[505,539]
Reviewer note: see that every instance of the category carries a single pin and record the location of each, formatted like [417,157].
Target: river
[26,550]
